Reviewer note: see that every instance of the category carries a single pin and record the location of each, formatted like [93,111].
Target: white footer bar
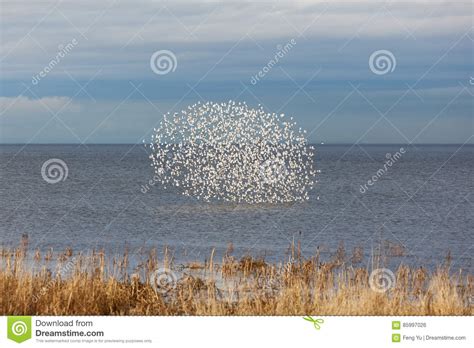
[101,331]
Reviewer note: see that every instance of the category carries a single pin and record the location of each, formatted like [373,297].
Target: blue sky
[104,91]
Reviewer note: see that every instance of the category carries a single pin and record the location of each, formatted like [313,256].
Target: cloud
[119,25]
[64,120]
[119,37]
[442,115]
[219,46]
[25,105]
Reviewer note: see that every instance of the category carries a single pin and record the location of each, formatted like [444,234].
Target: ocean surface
[417,210]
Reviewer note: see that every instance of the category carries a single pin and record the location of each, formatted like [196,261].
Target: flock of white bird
[230,152]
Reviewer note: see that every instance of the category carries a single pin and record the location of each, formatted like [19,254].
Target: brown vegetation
[93,284]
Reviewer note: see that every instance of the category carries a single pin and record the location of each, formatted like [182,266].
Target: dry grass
[77,284]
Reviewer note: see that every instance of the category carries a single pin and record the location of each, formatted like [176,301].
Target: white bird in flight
[230,152]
